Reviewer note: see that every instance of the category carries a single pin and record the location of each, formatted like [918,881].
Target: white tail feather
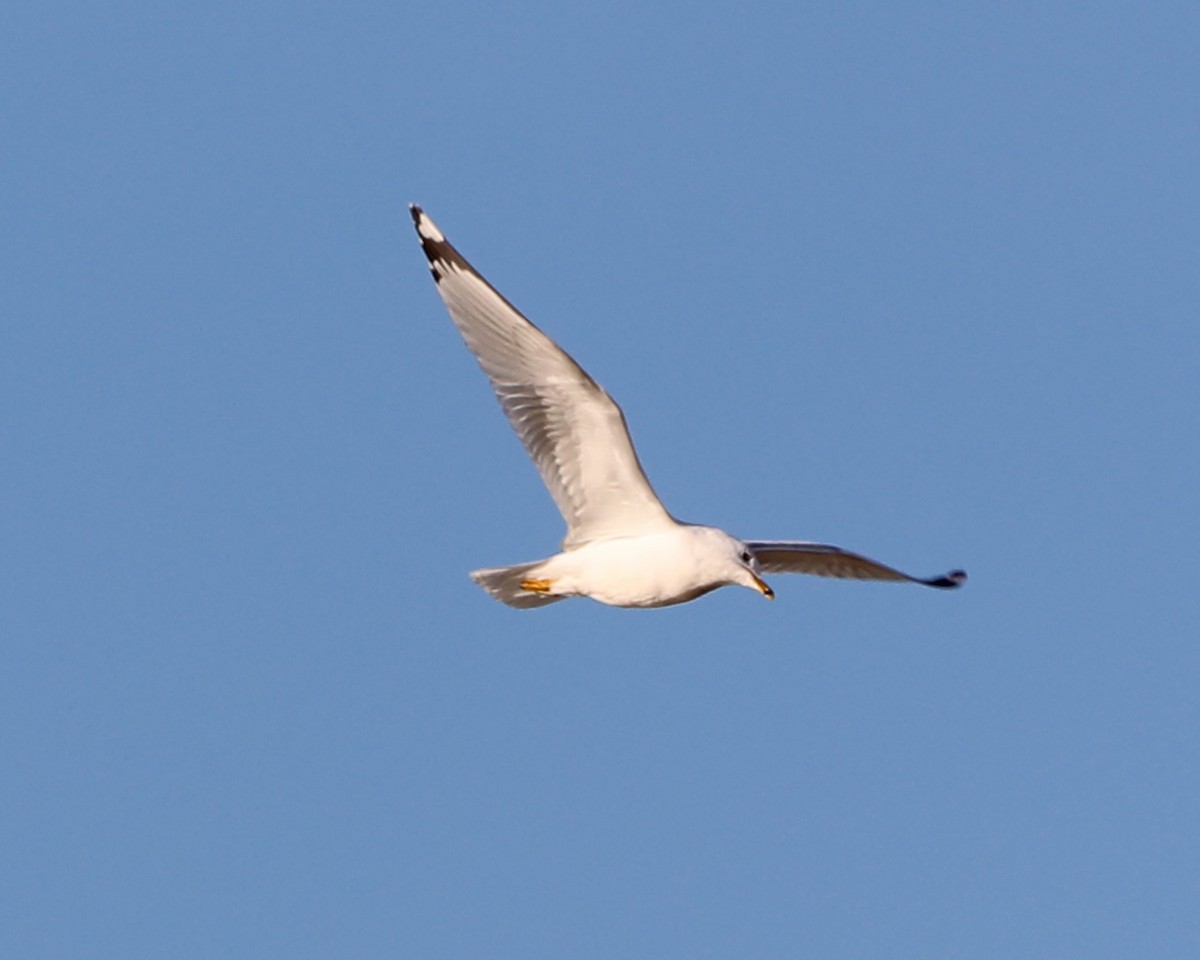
[504,584]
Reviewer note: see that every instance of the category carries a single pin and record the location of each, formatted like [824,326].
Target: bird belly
[648,571]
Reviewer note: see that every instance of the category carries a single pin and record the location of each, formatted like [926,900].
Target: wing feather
[572,429]
[824,560]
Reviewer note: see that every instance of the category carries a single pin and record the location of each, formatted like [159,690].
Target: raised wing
[573,430]
[823,560]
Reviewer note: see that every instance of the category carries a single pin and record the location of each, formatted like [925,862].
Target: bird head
[745,569]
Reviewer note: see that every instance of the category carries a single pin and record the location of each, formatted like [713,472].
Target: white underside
[651,570]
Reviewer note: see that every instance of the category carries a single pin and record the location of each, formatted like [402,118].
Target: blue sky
[920,280]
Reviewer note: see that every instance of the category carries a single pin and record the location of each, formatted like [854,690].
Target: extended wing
[823,560]
[574,431]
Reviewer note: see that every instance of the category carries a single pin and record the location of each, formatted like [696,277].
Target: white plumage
[622,546]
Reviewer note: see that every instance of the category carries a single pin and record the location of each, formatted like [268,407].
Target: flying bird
[622,546]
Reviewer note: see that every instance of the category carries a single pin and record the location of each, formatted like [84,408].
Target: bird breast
[654,570]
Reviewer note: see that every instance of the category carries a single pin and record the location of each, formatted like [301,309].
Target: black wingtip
[953,579]
[438,252]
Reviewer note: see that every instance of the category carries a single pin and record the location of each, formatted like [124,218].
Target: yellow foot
[537,586]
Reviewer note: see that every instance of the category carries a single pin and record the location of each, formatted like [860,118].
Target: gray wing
[823,560]
[574,431]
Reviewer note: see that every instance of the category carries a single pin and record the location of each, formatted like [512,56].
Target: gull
[622,546]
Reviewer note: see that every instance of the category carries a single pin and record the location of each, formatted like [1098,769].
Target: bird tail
[504,584]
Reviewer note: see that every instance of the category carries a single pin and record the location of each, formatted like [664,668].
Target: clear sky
[917,279]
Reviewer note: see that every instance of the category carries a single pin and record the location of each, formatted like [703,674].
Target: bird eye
[746,556]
